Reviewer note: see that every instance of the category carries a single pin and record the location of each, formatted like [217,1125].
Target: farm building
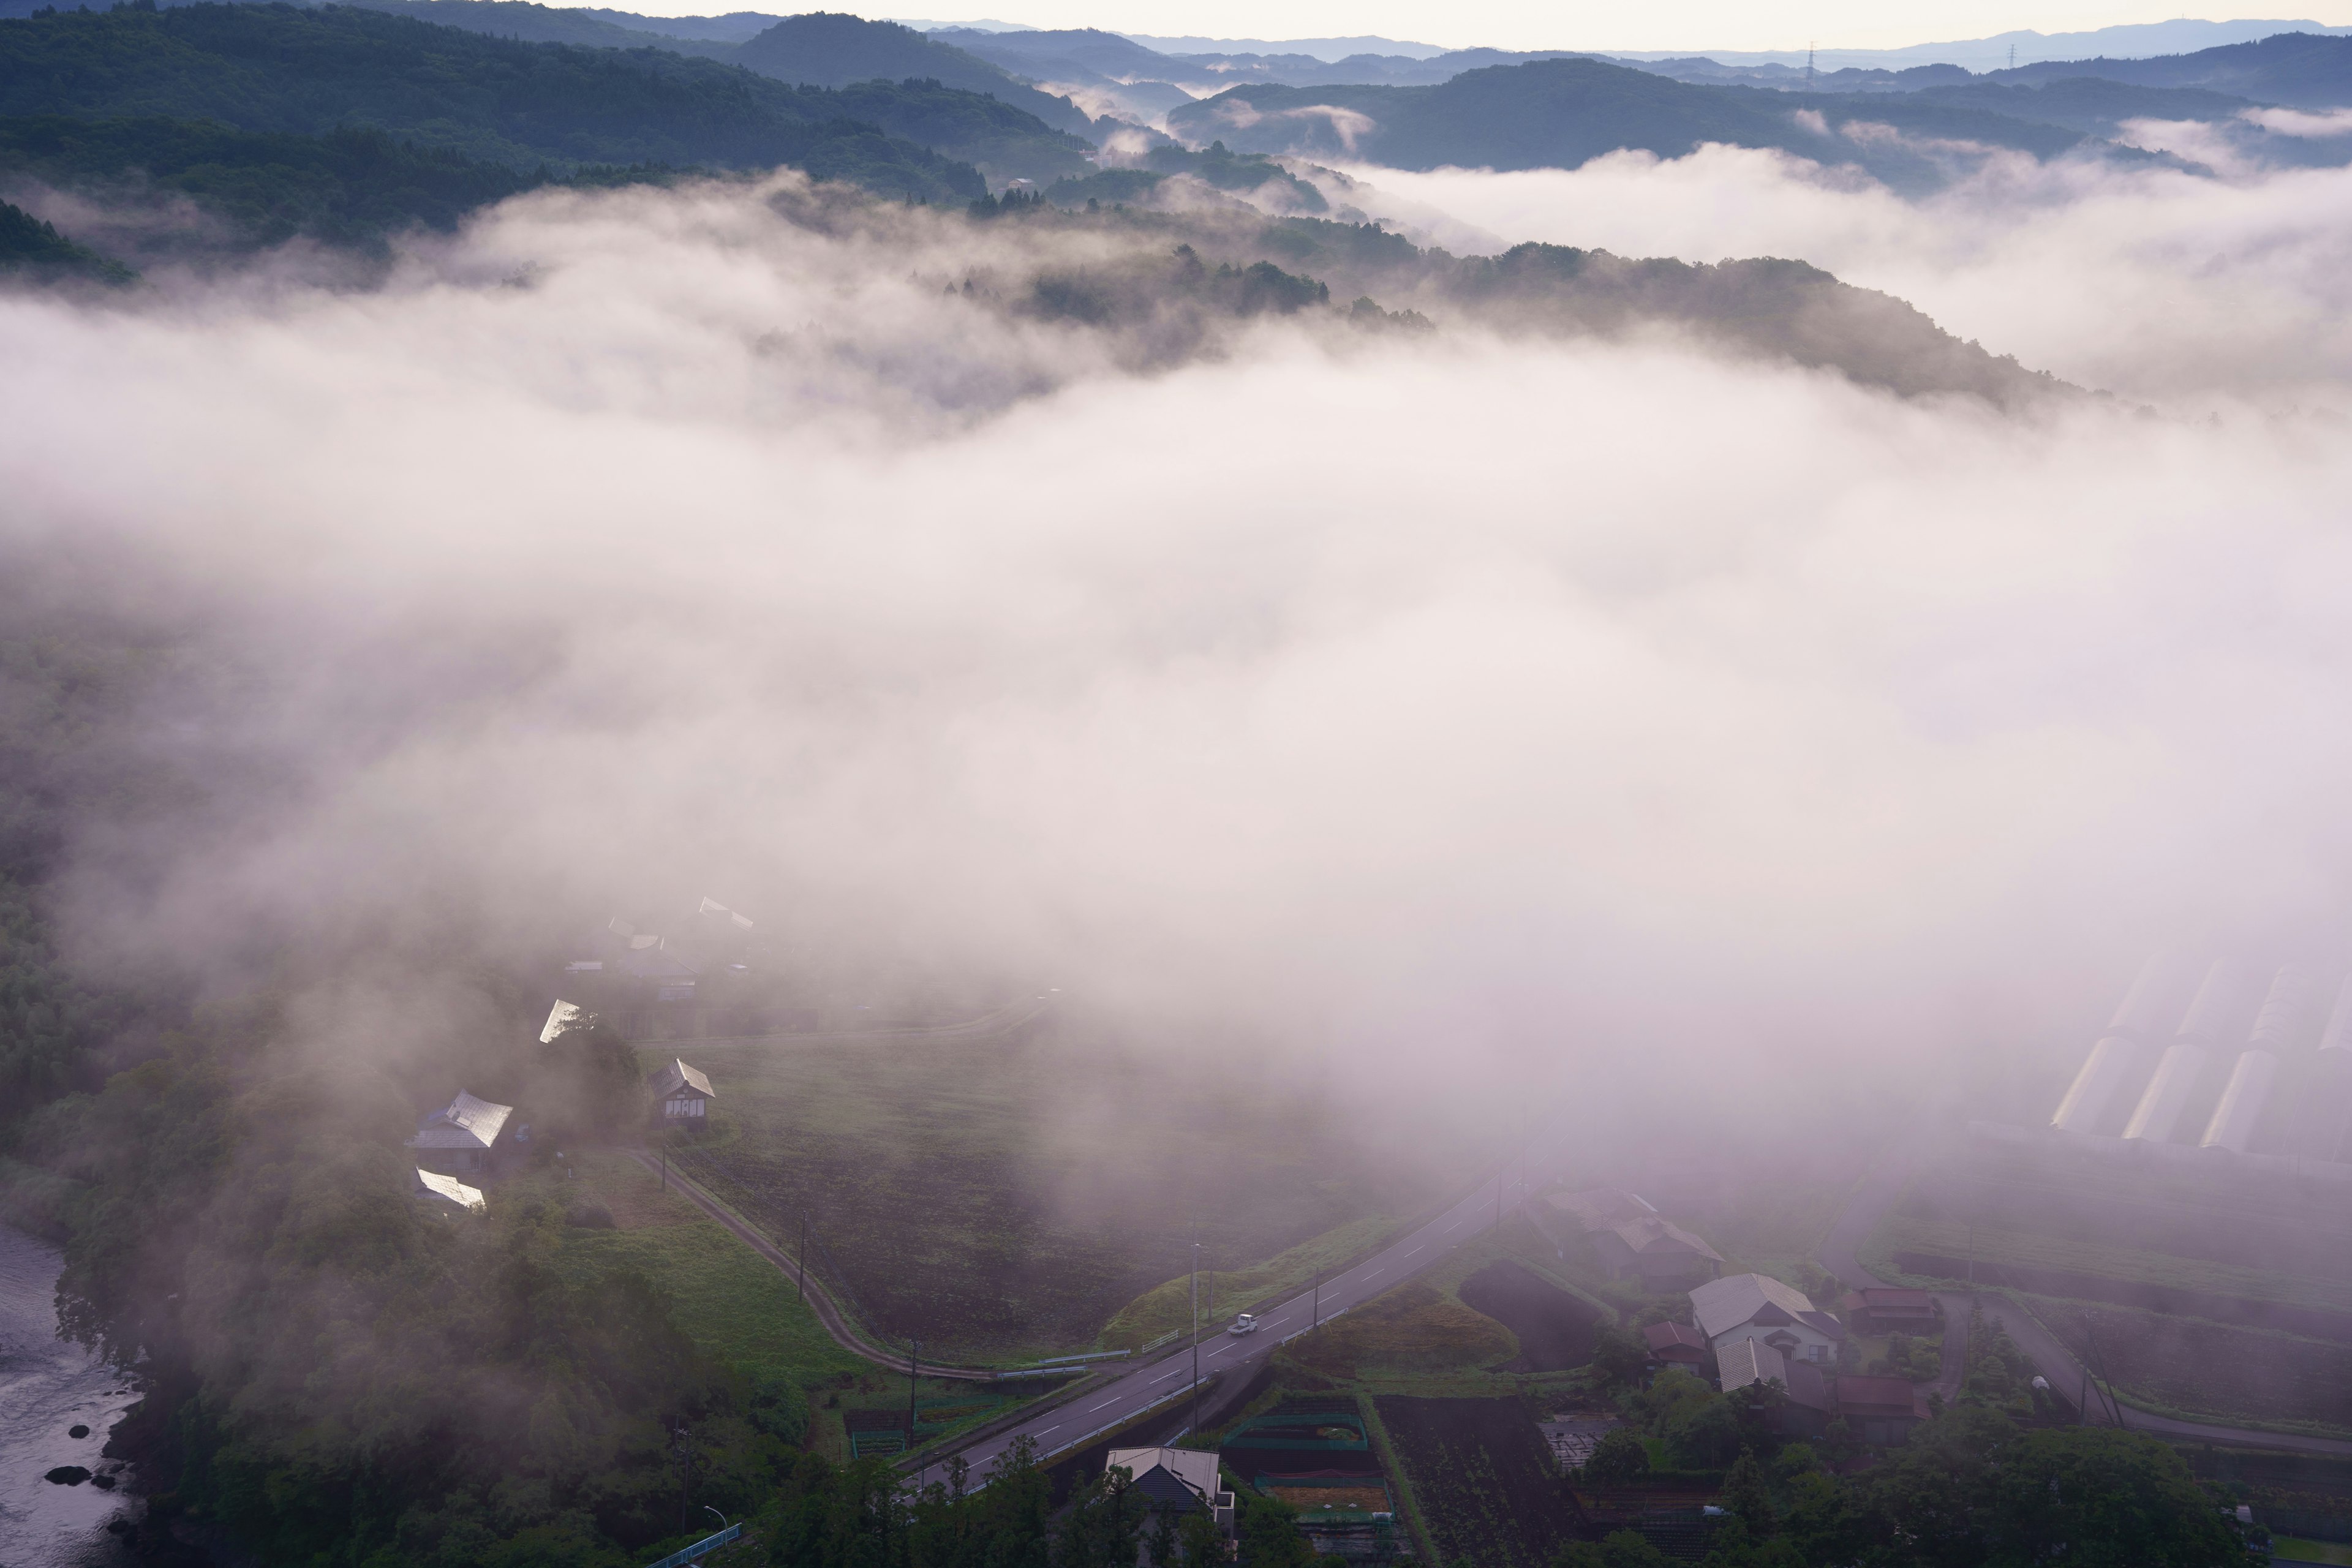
[681,1093]
[1758,1307]
[447,1193]
[1812,1399]
[1632,1240]
[1675,1345]
[560,1017]
[1177,1481]
[1879,1409]
[1884,1310]
[463,1135]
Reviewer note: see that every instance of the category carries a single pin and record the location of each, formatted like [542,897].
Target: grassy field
[1422,1338]
[1956,1238]
[2288,1549]
[735,1305]
[1002,1198]
[729,1298]
[1166,1308]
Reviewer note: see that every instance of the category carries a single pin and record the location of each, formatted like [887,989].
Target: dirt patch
[1480,1475]
[1555,1329]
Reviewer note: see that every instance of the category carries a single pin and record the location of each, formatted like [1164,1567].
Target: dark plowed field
[2165,1298]
[1555,1329]
[1479,1472]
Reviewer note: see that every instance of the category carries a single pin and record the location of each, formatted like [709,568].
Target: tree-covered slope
[349,187]
[828,50]
[30,245]
[1003,141]
[274,68]
[1560,113]
[2307,70]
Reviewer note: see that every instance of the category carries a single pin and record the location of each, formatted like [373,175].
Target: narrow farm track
[820,1299]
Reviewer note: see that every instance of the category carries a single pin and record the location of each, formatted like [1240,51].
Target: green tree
[1746,1495]
[1619,1459]
[1267,1532]
[2097,1497]
[1619,1357]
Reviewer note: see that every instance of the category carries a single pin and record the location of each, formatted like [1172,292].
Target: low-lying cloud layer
[1426,704]
[2152,284]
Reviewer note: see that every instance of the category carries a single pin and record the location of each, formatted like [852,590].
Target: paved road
[1840,1254]
[1167,1378]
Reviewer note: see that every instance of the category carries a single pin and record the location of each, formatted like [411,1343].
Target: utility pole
[914,1359]
[1196,1331]
[804,1281]
[685,1445]
[1809,67]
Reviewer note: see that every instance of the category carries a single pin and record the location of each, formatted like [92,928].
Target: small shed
[447,1193]
[1885,1309]
[681,1093]
[1675,1345]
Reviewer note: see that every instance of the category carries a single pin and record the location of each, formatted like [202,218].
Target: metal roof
[449,1189]
[1196,1470]
[679,1076]
[465,1123]
[559,1018]
[1722,1305]
[1652,1237]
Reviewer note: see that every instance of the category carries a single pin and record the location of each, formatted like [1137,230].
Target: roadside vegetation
[970,1194]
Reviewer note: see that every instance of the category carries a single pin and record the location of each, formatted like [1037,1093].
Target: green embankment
[1955,1238]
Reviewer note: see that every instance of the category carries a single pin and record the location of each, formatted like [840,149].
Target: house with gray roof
[1758,1307]
[462,1135]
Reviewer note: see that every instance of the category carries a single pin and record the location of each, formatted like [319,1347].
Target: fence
[703,1547]
[2307,1525]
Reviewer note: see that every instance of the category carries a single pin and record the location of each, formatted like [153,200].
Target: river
[47,1387]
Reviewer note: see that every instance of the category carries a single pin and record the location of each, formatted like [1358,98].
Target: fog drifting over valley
[2198,291]
[1436,704]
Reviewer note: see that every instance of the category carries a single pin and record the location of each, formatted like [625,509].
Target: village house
[681,1095]
[1675,1345]
[1177,1481]
[1884,1310]
[1877,1410]
[1758,1307]
[466,1134]
[1632,1240]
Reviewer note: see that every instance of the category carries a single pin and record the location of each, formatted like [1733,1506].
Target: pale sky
[1592,23]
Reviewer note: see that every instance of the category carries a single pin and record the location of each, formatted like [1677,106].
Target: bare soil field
[1555,1329]
[998,1197]
[1482,1478]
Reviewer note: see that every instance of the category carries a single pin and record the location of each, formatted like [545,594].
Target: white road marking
[1410,1254]
[1106,1403]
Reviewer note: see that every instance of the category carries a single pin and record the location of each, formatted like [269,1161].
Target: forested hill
[1560,113]
[279,68]
[2307,70]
